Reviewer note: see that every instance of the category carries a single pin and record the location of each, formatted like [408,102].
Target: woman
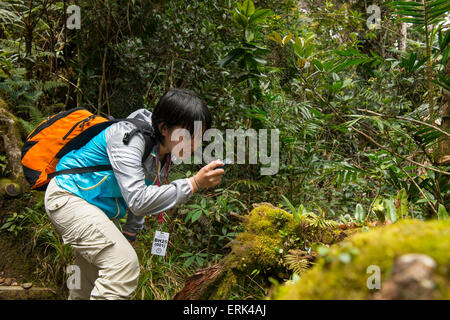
[81,206]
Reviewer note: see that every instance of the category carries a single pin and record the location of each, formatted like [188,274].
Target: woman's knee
[119,279]
[125,266]
[132,266]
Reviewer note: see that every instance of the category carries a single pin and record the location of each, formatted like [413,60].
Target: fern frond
[11,46]
[296,262]
[421,14]
[48,85]
[255,185]
[27,125]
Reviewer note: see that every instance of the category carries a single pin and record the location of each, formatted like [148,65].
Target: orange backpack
[66,131]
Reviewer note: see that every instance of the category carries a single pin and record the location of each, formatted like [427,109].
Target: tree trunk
[404,32]
[10,135]
[200,283]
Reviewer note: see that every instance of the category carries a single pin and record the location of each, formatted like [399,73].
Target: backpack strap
[141,126]
[80,170]
[147,131]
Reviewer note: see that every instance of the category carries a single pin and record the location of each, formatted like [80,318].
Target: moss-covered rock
[268,235]
[342,272]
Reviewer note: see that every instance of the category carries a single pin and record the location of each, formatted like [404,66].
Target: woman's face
[180,142]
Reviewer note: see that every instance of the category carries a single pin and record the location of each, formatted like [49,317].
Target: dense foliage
[362,111]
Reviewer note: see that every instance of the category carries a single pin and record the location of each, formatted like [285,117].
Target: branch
[367,136]
[406,118]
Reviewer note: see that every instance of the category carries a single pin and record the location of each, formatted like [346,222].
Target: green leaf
[323,251]
[287,38]
[405,3]
[259,16]
[391,210]
[188,262]
[186,254]
[241,19]
[249,35]
[318,64]
[232,55]
[196,216]
[296,214]
[248,8]
[442,213]
[345,257]
[200,261]
[359,212]
[346,83]
[350,62]
[402,198]
[301,211]
[6,225]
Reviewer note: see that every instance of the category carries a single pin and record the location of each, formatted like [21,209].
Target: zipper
[118,209]
[50,120]
[94,186]
[81,123]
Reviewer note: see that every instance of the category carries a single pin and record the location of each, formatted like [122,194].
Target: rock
[411,279]
[19,293]
[27,285]
[14,283]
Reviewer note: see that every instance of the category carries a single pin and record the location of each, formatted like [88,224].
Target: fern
[48,85]
[425,16]
[296,262]
[344,173]
[422,14]
[11,46]
[319,221]
[255,185]
[28,126]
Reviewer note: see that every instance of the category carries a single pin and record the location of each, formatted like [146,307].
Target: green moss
[332,278]
[267,220]
[267,236]
[251,251]
[259,251]
[225,287]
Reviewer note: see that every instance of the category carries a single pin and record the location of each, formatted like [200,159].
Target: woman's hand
[208,176]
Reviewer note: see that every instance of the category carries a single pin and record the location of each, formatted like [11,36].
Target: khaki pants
[108,264]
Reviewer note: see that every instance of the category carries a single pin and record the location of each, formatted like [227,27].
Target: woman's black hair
[180,107]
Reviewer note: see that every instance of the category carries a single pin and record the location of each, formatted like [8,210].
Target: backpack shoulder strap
[147,131]
[141,126]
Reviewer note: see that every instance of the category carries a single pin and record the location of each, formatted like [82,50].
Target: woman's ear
[163,129]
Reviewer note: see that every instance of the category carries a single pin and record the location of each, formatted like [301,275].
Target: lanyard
[161,215]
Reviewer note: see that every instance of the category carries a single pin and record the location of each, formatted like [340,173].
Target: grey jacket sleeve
[129,172]
[134,223]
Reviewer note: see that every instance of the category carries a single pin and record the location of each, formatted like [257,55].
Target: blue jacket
[98,188]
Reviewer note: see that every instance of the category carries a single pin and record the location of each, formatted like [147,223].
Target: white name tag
[160,242]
